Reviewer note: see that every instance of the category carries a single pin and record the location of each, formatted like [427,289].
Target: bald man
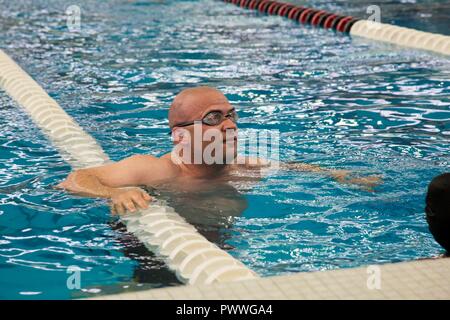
[201,109]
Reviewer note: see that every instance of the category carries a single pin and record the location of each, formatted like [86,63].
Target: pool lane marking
[80,150]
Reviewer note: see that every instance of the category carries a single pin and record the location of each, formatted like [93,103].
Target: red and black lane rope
[313,17]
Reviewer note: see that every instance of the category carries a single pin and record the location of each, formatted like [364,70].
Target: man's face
[213,136]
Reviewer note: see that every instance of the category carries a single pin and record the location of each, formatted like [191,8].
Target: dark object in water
[438,209]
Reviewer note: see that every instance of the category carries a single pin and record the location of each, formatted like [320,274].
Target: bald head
[193,103]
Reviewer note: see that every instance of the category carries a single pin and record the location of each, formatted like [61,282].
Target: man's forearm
[341,176]
[299,166]
[84,183]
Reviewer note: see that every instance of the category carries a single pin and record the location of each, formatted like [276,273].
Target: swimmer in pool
[202,108]
[438,210]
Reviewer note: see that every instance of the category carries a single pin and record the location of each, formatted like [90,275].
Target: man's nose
[227,124]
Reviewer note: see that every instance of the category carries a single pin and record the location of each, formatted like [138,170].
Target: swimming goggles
[212,118]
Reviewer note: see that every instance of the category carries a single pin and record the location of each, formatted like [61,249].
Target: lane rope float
[159,228]
[350,25]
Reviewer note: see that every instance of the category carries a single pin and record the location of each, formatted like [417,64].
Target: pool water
[337,102]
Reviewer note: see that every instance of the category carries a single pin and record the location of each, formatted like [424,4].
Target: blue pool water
[338,102]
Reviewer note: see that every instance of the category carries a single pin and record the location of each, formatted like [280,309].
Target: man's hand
[131,199]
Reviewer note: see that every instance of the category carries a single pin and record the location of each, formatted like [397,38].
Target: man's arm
[108,181]
[342,176]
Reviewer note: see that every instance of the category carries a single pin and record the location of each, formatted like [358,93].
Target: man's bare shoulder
[155,168]
[148,158]
[143,158]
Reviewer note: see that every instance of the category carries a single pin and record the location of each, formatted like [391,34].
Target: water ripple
[337,102]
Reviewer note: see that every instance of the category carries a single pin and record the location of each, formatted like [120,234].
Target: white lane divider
[402,36]
[159,227]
